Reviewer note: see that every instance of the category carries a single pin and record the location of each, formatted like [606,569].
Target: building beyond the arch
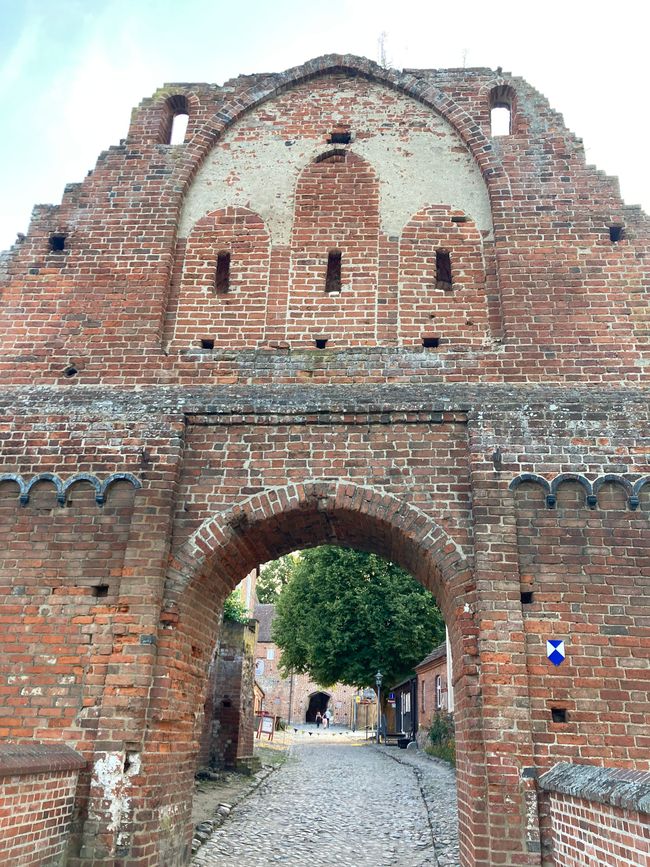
[342,311]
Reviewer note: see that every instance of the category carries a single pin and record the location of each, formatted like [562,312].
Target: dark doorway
[318,701]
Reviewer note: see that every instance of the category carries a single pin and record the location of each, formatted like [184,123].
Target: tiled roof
[264,614]
[437,653]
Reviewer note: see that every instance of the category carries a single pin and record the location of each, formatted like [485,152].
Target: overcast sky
[71,71]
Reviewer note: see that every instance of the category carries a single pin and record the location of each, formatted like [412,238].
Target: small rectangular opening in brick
[222,276]
[443,270]
[207,343]
[615,234]
[526,597]
[57,243]
[333,278]
[430,342]
[100,590]
[558,714]
[340,137]
[459,218]
[320,342]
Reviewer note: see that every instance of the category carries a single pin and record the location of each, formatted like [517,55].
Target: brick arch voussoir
[209,220]
[227,534]
[205,137]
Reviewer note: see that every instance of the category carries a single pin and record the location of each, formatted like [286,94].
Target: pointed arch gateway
[265,526]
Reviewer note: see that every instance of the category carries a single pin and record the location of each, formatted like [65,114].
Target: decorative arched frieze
[591,488]
[62,488]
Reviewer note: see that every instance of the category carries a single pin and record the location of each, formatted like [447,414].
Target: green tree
[234,608]
[274,577]
[344,614]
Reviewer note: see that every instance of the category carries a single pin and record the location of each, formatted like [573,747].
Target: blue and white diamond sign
[555,651]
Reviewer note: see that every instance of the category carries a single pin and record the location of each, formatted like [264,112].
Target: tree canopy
[344,614]
[273,578]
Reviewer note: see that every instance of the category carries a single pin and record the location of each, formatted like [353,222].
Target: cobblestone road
[348,804]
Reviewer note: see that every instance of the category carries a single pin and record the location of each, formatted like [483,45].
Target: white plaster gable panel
[418,157]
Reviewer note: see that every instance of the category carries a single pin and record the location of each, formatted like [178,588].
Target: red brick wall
[586,569]
[561,299]
[35,816]
[237,317]
[427,697]
[227,735]
[37,794]
[337,208]
[457,314]
[586,833]
[414,450]
[596,815]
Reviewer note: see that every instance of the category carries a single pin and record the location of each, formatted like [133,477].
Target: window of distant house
[270,653]
[424,692]
[438,691]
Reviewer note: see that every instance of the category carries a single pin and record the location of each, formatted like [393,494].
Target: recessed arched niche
[442,281]
[222,293]
[335,206]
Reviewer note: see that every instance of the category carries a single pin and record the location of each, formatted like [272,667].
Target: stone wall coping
[106,401]
[35,758]
[619,787]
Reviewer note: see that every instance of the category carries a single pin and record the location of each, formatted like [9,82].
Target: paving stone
[347,805]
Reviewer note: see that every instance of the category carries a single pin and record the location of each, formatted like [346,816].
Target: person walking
[328,717]
[319,719]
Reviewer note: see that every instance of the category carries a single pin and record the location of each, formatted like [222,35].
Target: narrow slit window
[333,279]
[179,128]
[443,270]
[500,120]
[222,277]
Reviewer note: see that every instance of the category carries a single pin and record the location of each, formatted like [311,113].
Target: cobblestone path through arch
[347,804]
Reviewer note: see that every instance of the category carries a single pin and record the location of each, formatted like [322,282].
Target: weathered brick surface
[228,722]
[37,788]
[598,815]
[220,459]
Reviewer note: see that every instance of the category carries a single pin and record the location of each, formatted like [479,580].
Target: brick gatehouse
[341,311]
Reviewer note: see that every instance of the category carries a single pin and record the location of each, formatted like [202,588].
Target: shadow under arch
[263,527]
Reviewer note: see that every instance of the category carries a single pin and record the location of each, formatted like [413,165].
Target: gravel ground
[349,804]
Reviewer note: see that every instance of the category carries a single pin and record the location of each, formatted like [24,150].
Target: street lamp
[378,679]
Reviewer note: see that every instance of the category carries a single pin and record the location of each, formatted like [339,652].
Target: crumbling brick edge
[619,787]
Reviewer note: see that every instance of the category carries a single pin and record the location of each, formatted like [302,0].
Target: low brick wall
[598,815]
[37,789]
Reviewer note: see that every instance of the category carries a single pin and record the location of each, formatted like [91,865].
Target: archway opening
[318,702]
[264,527]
